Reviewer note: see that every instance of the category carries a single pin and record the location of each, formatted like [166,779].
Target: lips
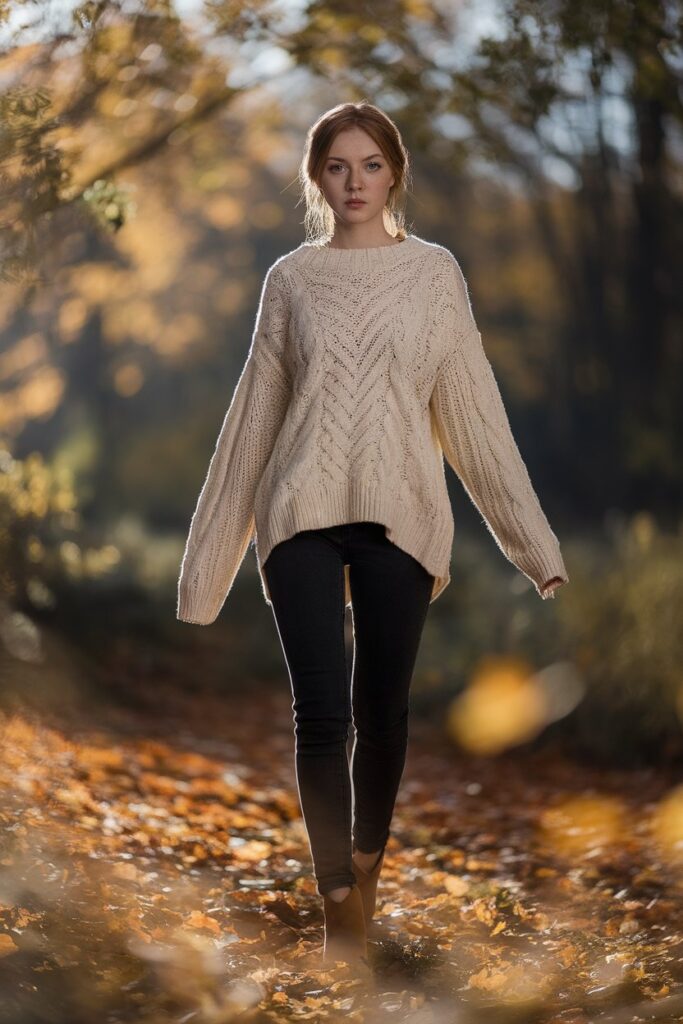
[355,202]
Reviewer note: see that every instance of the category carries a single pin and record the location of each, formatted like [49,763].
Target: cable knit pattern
[365,368]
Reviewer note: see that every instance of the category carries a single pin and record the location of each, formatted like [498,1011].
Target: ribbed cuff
[186,611]
[550,568]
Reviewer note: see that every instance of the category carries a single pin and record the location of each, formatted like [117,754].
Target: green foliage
[619,621]
[110,204]
[622,618]
[32,172]
[40,541]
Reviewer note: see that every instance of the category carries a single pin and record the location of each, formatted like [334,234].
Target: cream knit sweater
[365,368]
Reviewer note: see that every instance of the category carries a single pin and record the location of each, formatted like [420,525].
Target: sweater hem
[319,507]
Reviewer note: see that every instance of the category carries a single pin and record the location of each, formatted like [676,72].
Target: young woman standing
[365,368]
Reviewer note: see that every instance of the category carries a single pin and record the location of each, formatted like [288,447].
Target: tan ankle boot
[367,883]
[345,936]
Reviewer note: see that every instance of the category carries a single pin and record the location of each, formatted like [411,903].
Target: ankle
[367,861]
[339,894]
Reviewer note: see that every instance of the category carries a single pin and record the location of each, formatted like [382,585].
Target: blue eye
[371,163]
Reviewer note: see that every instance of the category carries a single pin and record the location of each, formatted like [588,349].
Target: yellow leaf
[456,885]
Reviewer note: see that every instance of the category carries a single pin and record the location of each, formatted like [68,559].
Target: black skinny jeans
[390,593]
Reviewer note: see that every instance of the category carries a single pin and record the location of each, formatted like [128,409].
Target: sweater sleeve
[475,435]
[223,522]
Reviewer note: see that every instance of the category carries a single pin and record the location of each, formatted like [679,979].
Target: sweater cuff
[554,568]
[185,611]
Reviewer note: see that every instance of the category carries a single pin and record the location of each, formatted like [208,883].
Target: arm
[474,432]
[223,522]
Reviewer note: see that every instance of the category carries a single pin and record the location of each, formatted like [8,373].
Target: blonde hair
[319,217]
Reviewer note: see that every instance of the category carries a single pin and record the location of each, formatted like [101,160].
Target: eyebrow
[344,161]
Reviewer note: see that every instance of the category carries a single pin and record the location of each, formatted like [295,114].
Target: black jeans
[390,592]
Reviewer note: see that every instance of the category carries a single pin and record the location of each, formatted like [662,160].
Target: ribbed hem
[428,540]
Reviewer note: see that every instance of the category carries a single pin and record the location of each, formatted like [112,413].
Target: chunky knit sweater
[365,368]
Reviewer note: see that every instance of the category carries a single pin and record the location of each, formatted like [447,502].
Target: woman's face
[355,167]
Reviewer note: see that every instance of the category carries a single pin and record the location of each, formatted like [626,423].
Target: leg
[306,581]
[391,592]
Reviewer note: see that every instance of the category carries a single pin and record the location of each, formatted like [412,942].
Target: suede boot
[367,883]
[345,936]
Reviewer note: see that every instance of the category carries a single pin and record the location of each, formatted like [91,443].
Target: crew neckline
[361,258]
[362,248]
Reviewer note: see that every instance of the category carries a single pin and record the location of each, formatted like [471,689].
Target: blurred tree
[133,70]
[42,543]
[592,90]
[579,103]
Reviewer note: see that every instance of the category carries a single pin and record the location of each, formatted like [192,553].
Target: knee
[385,732]
[322,732]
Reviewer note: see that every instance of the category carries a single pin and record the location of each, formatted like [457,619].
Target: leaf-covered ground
[155,868]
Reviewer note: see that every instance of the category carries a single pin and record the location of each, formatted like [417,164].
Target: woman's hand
[548,588]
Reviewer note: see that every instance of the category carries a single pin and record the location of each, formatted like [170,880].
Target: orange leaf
[198,919]
[7,945]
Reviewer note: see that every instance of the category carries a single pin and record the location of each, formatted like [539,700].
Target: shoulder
[287,262]
[431,250]
[448,285]
[445,268]
[278,277]
[440,256]
[447,274]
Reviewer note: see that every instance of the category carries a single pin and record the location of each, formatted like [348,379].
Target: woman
[365,368]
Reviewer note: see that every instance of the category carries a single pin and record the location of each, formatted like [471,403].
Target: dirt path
[155,868]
